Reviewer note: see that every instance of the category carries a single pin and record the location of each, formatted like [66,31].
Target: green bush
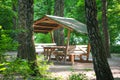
[6,42]
[19,69]
[42,38]
[78,77]
[15,68]
[115,49]
[6,17]
[43,64]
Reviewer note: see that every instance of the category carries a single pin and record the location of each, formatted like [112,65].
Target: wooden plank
[41,30]
[37,26]
[52,37]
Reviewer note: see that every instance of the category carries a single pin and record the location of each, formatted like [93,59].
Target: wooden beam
[67,46]
[52,37]
[41,30]
[45,19]
[47,24]
[37,26]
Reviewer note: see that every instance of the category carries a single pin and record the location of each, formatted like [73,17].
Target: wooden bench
[82,50]
[60,54]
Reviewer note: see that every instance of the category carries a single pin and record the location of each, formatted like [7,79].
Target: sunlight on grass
[88,69]
[78,77]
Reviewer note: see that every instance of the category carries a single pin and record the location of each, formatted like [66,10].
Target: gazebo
[49,23]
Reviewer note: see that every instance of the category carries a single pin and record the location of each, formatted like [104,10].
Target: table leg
[72,57]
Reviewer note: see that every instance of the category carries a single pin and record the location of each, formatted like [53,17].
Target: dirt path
[63,71]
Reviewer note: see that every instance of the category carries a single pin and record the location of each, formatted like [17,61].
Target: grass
[116,55]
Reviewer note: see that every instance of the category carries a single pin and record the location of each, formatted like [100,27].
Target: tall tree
[26,49]
[59,11]
[14,8]
[105,28]
[100,62]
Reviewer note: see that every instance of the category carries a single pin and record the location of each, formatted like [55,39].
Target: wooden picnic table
[82,50]
[48,50]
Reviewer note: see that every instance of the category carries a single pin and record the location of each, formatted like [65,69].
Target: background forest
[72,9]
[16,20]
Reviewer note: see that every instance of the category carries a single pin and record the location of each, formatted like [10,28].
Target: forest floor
[65,70]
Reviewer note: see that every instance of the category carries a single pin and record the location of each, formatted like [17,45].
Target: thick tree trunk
[59,11]
[26,49]
[105,28]
[100,62]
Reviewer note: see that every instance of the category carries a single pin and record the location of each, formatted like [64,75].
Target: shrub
[78,77]
[6,43]
[15,68]
[42,38]
[115,49]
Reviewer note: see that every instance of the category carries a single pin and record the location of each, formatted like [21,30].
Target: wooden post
[51,33]
[67,45]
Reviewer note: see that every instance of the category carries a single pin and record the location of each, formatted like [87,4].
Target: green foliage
[42,38]
[75,9]
[42,7]
[43,64]
[78,77]
[19,69]
[6,16]
[76,38]
[6,42]
[14,68]
[113,20]
[115,49]
[6,2]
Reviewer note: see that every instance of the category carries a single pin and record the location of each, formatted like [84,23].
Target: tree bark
[100,62]
[59,11]
[14,8]
[26,49]
[105,28]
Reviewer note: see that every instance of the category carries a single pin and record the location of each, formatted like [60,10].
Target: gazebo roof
[49,23]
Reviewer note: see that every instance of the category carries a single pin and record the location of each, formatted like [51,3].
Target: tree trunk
[14,8]
[100,62]
[105,28]
[26,49]
[59,11]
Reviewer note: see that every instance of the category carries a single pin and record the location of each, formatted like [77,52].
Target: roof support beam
[67,46]
[41,30]
[52,37]
[37,26]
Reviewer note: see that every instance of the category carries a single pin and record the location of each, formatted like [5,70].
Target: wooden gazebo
[50,23]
